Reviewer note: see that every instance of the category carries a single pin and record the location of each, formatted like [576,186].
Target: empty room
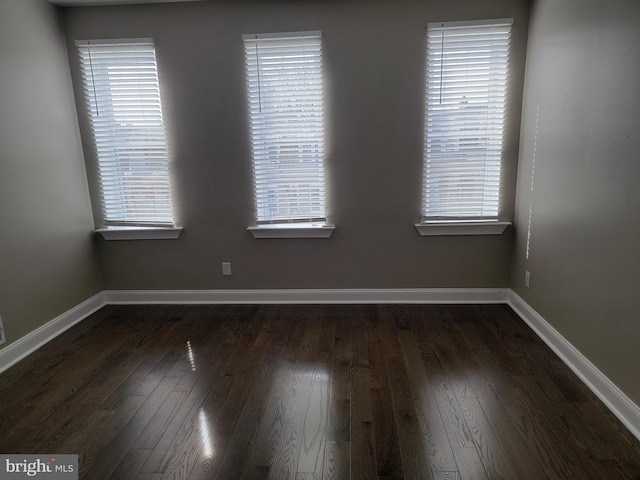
[320,239]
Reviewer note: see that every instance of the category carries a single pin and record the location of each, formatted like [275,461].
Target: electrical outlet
[527,278]
[226,269]
[2,337]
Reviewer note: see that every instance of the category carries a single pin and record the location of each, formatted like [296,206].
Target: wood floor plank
[469,463]
[209,357]
[271,425]
[417,445]
[611,433]
[106,462]
[195,392]
[314,432]
[493,457]
[182,423]
[446,475]
[287,450]
[375,352]
[361,435]
[149,476]
[199,450]
[555,463]
[430,320]
[336,460]
[425,405]
[62,386]
[130,465]
[162,418]
[341,377]
[527,466]
[201,441]
[450,354]
[316,425]
[52,358]
[241,441]
[452,418]
[94,440]
[363,453]
[388,459]
[614,470]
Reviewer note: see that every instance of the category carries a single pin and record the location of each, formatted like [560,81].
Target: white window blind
[467,67]
[284,81]
[123,99]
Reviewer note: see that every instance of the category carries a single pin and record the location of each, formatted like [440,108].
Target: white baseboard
[19,349]
[614,398]
[310,296]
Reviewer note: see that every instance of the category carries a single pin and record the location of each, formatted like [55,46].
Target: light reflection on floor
[306,395]
[205,433]
[207,447]
[304,417]
[191,356]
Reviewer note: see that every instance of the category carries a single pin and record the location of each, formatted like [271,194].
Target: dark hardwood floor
[310,392]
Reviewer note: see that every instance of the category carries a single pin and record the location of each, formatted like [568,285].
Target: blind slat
[467,70]
[284,91]
[123,99]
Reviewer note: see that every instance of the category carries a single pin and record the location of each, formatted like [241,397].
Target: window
[467,68]
[284,83]
[123,99]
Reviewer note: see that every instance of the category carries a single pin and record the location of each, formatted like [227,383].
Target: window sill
[140,233]
[292,230]
[454,227]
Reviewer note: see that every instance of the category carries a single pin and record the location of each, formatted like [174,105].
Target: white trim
[454,227]
[310,296]
[614,398]
[140,233]
[466,23]
[26,345]
[114,41]
[292,230]
[270,36]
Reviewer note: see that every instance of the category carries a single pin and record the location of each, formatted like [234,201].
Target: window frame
[461,224]
[116,221]
[279,136]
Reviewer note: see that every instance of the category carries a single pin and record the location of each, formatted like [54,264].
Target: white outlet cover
[226,268]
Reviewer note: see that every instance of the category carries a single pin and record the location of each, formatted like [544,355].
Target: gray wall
[374,60]
[47,258]
[582,86]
